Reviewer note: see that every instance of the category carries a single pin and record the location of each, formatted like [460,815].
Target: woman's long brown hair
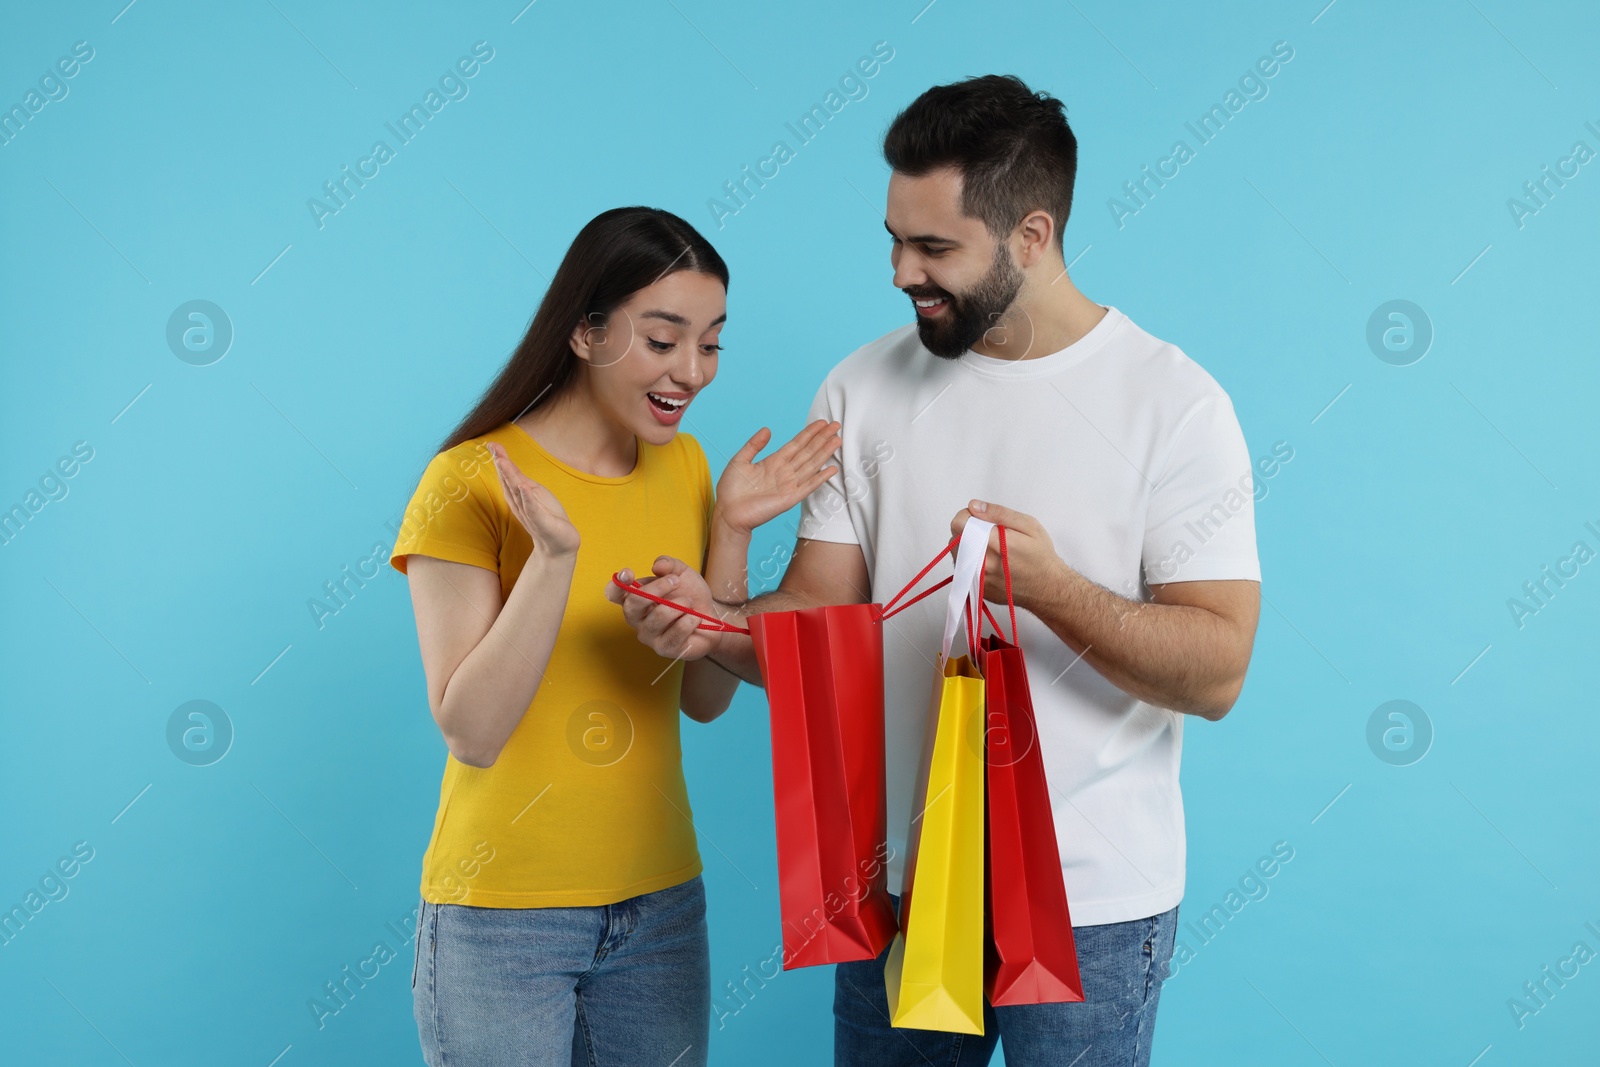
[615,255]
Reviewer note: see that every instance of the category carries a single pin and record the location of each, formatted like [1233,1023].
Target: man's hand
[672,634]
[1031,553]
[1186,649]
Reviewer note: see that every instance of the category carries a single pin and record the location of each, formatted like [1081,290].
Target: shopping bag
[935,969]
[823,673]
[1033,959]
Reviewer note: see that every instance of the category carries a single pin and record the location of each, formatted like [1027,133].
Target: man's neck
[1043,320]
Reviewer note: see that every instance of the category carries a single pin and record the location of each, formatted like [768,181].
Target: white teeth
[928,303]
[667,401]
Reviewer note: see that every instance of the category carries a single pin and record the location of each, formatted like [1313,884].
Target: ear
[585,338]
[1037,230]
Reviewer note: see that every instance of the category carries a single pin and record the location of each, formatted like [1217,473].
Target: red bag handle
[722,627]
[889,608]
[1011,604]
[710,623]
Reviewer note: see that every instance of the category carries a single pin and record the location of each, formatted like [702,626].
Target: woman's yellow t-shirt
[586,804]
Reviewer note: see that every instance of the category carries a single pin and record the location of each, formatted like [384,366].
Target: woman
[563,914]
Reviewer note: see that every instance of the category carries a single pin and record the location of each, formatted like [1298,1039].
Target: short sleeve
[455,512]
[824,513]
[1200,524]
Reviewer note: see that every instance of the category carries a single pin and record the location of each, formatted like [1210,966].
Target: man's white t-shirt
[1131,456]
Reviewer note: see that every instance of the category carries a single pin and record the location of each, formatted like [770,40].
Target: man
[1119,469]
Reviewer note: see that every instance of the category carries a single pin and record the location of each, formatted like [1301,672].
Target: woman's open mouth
[667,407]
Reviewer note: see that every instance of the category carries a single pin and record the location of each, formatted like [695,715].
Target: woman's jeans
[624,983]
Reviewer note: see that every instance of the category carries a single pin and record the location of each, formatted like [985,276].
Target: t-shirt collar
[1043,366]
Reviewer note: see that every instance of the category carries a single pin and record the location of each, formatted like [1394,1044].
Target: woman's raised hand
[540,513]
[751,492]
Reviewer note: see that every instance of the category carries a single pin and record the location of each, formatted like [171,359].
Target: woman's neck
[572,428]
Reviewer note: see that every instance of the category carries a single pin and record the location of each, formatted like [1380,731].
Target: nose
[909,270]
[687,370]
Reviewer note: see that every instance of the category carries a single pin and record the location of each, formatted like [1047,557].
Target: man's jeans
[623,983]
[1122,966]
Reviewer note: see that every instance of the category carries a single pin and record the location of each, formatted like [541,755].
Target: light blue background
[221,498]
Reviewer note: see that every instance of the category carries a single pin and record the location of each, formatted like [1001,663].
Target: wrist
[719,638]
[1042,586]
[722,526]
[557,558]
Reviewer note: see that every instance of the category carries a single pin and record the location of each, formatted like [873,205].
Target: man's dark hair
[1013,147]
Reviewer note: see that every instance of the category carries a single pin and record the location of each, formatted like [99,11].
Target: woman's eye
[660,346]
[711,349]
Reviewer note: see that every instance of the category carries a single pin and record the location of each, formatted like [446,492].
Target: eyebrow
[923,238]
[677,319]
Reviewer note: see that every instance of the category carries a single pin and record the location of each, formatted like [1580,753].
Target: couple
[563,915]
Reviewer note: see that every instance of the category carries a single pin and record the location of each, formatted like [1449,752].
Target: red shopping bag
[1033,959]
[823,672]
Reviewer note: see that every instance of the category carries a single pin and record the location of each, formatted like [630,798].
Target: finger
[681,633]
[799,442]
[507,466]
[638,609]
[654,621]
[643,579]
[959,523]
[512,483]
[757,442]
[543,497]
[663,585]
[817,479]
[1004,516]
[669,567]
[825,434]
[820,448]
[636,612]
[615,593]
[667,624]
[498,457]
[637,606]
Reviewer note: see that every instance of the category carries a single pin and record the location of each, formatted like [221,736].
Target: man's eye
[659,346]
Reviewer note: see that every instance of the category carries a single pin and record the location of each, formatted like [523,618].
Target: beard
[969,315]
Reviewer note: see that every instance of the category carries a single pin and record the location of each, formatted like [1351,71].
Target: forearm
[708,689]
[727,563]
[490,691]
[1170,655]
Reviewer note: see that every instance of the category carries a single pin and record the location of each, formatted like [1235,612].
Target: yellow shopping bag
[934,973]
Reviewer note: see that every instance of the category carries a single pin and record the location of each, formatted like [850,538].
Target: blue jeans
[1122,966]
[623,983]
